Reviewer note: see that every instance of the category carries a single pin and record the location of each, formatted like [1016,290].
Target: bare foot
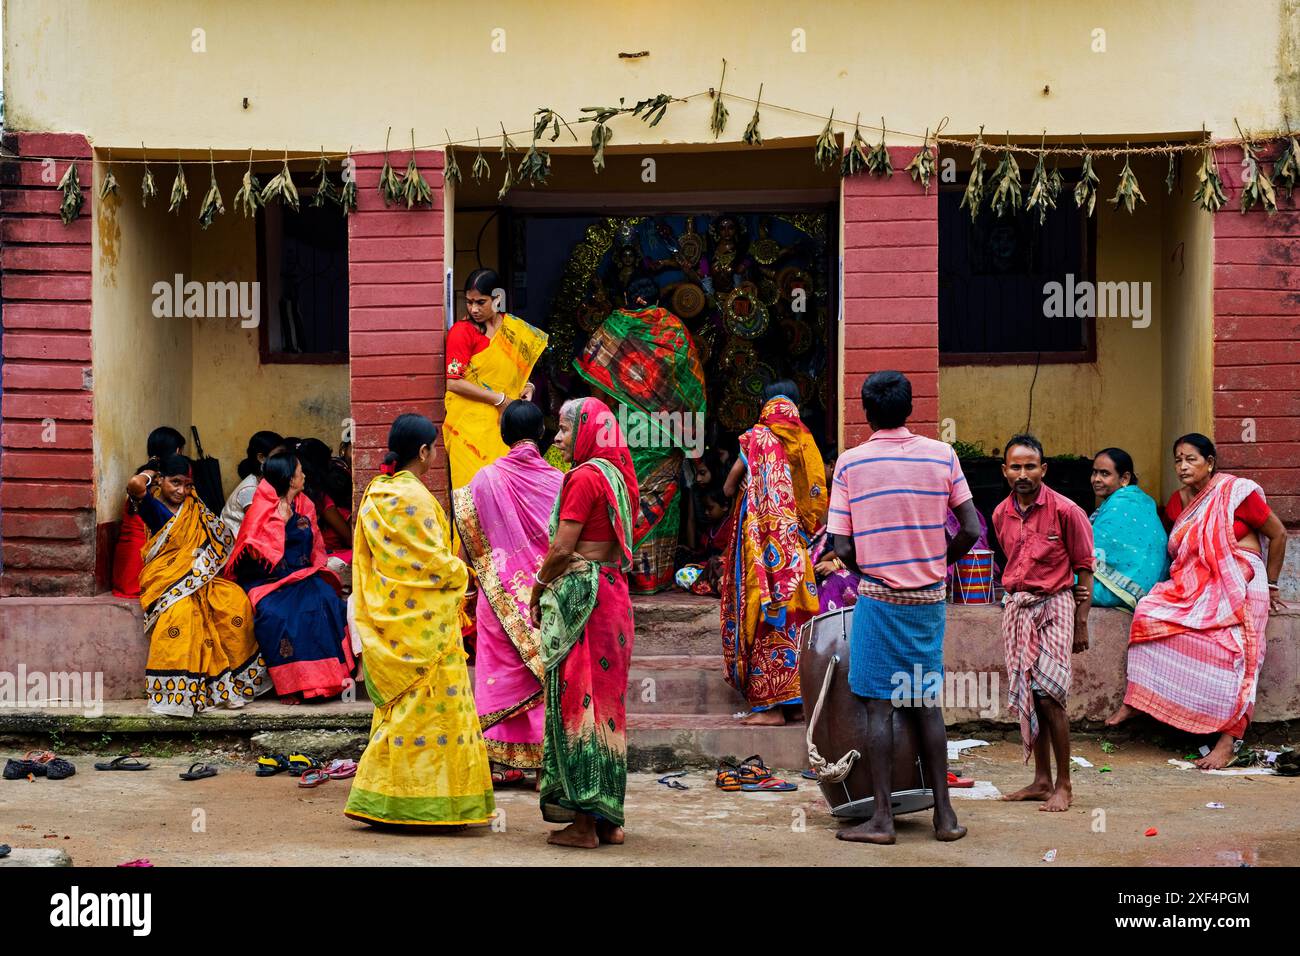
[765,718]
[1124,713]
[572,836]
[881,834]
[1220,756]
[1038,790]
[946,827]
[1060,799]
[609,833]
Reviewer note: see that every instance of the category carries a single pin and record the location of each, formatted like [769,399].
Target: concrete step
[680,684]
[676,624]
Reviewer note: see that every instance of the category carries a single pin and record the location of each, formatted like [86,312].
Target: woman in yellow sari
[202,652]
[426,763]
[490,356]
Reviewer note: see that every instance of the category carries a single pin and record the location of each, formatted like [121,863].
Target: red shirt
[1046,545]
[1249,516]
[584,499]
[464,341]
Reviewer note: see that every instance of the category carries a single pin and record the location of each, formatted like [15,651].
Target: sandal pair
[337,770]
[34,763]
[754,775]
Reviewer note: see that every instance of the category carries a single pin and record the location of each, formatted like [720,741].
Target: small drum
[842,724]
[973,581]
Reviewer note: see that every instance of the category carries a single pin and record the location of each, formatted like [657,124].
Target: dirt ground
[237,819]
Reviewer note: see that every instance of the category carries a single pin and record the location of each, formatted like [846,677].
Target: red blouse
[464,341]
[583,499]
[1249,516]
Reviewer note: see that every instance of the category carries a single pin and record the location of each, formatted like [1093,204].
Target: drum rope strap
[827,772]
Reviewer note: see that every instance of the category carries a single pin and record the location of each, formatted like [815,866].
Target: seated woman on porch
[163,441]
[202,652]
[260,447]
[1129,542]
[299,618]
[1197,641]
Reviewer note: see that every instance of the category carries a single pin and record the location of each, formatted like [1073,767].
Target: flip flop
[313,778]
[808,774]
[140,862]
[509,777]
[199,771]
[301,763]
[770,783]
[343,769]
[669,781]
[122,763]
[4,850]
[270,766]
[960,782]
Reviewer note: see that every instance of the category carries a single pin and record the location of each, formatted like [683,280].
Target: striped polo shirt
[892,494]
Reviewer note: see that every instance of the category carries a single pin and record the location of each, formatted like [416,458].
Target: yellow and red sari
[202,652]
[425,763]
[472,430]
[768,587]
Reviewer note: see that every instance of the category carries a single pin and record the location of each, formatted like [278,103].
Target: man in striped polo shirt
[889,503]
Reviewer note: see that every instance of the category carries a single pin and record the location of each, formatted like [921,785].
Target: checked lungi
[1038,634]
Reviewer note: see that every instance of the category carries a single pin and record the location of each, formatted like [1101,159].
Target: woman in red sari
[1197,641]
[582,605]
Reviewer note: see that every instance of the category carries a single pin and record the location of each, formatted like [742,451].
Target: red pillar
[47,490]
[396,320]
[891,287]
[1257,342]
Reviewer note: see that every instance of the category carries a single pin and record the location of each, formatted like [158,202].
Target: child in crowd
[1048,579]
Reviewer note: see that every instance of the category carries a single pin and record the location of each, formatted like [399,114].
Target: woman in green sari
[645,359]
[1129,542]
[582,605]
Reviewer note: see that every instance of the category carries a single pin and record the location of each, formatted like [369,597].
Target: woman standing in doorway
[490,356]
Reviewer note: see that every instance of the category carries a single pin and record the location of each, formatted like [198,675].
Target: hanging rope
[827,772]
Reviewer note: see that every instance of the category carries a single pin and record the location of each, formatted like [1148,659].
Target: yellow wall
[177,371]
[338,72]
[141,363]
[1082,407]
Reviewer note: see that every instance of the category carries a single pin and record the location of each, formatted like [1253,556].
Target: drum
[842,725]
[973,581]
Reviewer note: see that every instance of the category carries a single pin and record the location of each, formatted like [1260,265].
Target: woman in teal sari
[1129,542]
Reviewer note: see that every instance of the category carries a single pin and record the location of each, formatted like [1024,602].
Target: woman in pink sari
[502,516]
[1197,641]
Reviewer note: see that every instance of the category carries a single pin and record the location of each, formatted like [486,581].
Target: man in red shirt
[1048,541]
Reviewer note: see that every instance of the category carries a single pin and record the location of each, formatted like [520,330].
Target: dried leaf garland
[415,191]
[1055,182]
[212,206]
[148,188]
[601,134]
[1041,196]
[855,159]
[390,186]
[1171,175]
[536,164]
[348,194]
[1006,196]
[508,183]
[326,191]
[1085,190]
[451,172]
[281,187]
[249,196]
[752,136]
[1209,193]
[826,151]
[1256,187]
[651,110]
[109,185]
[878,161]
[480,170]
[1127,192]
[974,194]
[718,121]
[921,168]
[179,189]
[1286,170]
[70,186]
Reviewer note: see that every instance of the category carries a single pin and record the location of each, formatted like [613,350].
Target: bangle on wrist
[1274,586]
[537,577]
[499,402]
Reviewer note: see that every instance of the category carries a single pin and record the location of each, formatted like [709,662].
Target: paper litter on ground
[1229,772]
[955,747]
[983,790]
[1079,762]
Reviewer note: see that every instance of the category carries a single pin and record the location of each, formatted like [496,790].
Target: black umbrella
[207,477]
